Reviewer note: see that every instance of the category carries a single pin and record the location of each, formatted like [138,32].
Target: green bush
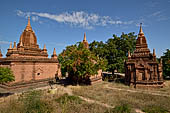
[6,75]
[69,99]
[33,103]
[155,110]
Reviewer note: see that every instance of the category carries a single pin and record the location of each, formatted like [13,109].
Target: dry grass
[66,99]
[113,97]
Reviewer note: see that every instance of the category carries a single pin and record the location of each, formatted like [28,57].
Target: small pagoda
[96,77]
[142,69]
[29,63]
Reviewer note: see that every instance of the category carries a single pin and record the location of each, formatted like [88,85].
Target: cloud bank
[77,19]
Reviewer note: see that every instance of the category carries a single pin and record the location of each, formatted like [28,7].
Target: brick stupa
[29,63]
[142,69]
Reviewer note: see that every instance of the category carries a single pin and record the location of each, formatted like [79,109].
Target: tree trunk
[113,72]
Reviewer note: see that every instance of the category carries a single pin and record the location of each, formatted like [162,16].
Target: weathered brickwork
[142,68]
[28,62]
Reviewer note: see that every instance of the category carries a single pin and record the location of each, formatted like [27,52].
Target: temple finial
[15,47]
[54,54]
[29,21]
[28,25]
[10,46]
[44,47]
[141,31]
[84,37]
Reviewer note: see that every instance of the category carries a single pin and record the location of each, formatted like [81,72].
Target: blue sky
[58,23]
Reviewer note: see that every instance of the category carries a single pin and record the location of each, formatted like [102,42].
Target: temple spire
[0,54]
[54,54]
[44,47]
[29,22]
[141,31]
[10,46]
[84,40]
[15,47]
[28,27]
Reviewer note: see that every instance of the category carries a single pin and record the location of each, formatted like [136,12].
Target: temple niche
[29,63]
[141,69]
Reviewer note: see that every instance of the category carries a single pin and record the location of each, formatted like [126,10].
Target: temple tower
[142,69]
[27,46]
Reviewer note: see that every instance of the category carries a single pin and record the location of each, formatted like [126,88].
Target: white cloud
[159,16]
[77,19]
[4,42]
[157,13]
[34,18]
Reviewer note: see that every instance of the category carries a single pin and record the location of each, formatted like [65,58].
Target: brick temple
[29,63]
[142,68]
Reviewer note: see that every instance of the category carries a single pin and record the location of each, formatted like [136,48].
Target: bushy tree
[115,50]
[98,48]
[166,63]
[79,62]
[6,75]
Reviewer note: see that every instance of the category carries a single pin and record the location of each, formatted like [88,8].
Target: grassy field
[101,97]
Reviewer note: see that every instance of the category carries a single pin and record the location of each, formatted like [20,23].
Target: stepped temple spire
[28,27]
[142,69]
[141,45]
[27,46]
[85,41]
[140,30]
[28,38]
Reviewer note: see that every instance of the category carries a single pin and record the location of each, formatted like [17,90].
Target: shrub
[33,103]
[6,75]
[155,110]
[69,99]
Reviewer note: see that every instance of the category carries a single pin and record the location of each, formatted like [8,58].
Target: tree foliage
[166,63]
[79,62]
[115,50]
[6,75]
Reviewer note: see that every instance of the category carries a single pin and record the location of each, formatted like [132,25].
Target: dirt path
[102,104]
[157,93]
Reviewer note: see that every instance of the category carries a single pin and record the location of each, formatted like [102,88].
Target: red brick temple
[142,68]
[29,63]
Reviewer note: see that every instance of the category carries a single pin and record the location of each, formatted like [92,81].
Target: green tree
[6,75]
[98,48]
[115,50]
[166,63]
[79,62]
